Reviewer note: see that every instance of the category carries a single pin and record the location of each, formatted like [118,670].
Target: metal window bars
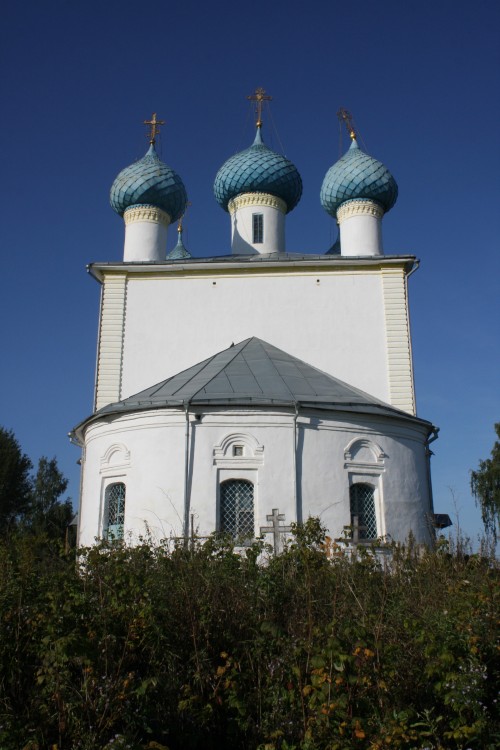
[362,499]
[236,508]
[115,506]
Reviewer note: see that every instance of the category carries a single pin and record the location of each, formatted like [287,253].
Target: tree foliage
[46,513]
[485,486]
[31,501]
[204,648]
[15,479]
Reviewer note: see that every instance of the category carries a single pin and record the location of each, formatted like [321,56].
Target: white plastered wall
[146,451]
[351,322]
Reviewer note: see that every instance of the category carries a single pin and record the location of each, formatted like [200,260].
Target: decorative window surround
[359,446]
[362,470]
[116,457]
[253,452]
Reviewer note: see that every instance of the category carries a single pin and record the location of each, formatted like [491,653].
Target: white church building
[258,387]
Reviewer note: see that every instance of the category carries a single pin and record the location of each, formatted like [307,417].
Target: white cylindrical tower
[357,191]
[145,233]
[360,223]
[257,223]
[149,195]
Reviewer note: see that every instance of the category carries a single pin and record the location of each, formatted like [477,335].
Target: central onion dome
[149,182]
[258,169]
[358,176]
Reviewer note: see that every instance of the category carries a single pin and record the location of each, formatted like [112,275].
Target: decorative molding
[253,451]
[256,199]
[359,208]
[358,444]
[117,456]
[397,328]
[146,213]
[111,335]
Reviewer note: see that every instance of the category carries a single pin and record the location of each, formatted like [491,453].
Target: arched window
[114,510]
[362,500]
[236,508]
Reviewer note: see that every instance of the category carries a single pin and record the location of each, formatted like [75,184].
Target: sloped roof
[253,373]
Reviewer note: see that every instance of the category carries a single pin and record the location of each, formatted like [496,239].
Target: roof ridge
[276,369]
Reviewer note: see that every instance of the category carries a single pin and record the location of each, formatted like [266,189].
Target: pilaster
[397,326]
[111,333]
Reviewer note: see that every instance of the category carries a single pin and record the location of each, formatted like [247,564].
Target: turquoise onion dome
[180,251]
[149,182]
[258,169]
[357,175]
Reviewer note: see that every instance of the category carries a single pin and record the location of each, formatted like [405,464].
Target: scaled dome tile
[149,182]
[258,169]
[358,175]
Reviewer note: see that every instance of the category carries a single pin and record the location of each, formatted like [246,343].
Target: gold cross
[345,115]
[155,127]
[258,97]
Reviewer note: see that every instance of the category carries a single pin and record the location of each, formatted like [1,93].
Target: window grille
[362,499]
[236,508]
[115,510]
[258,228]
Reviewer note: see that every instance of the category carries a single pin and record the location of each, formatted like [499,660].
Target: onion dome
[180,251]
[358,176]
[258,169]
[149,182]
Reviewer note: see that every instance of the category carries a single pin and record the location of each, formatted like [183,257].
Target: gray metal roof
[253,373]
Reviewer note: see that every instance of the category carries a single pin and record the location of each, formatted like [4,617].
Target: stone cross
[355,528]
[155,127]
[275,529]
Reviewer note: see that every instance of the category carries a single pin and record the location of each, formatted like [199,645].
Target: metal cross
[275,529]
[155,127]
[258,97]
[345,115]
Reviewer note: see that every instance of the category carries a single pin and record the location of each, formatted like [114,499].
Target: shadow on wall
[239,245]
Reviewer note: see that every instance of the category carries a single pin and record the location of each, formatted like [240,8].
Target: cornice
[146,213]
[256,199]
[359,208]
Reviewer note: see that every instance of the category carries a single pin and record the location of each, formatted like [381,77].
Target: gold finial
[258,97]
[345,115]
[155,127]
[179,223]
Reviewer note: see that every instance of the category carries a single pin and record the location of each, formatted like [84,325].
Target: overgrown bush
[205,648]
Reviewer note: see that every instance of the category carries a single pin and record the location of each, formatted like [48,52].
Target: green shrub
[205,648]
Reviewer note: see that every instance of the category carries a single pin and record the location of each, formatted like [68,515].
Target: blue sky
[422,81]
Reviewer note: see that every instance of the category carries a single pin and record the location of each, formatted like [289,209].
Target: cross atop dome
[155,127]
[345,115]
[258,97]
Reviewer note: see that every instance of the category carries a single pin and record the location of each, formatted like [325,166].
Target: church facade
[262,386]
